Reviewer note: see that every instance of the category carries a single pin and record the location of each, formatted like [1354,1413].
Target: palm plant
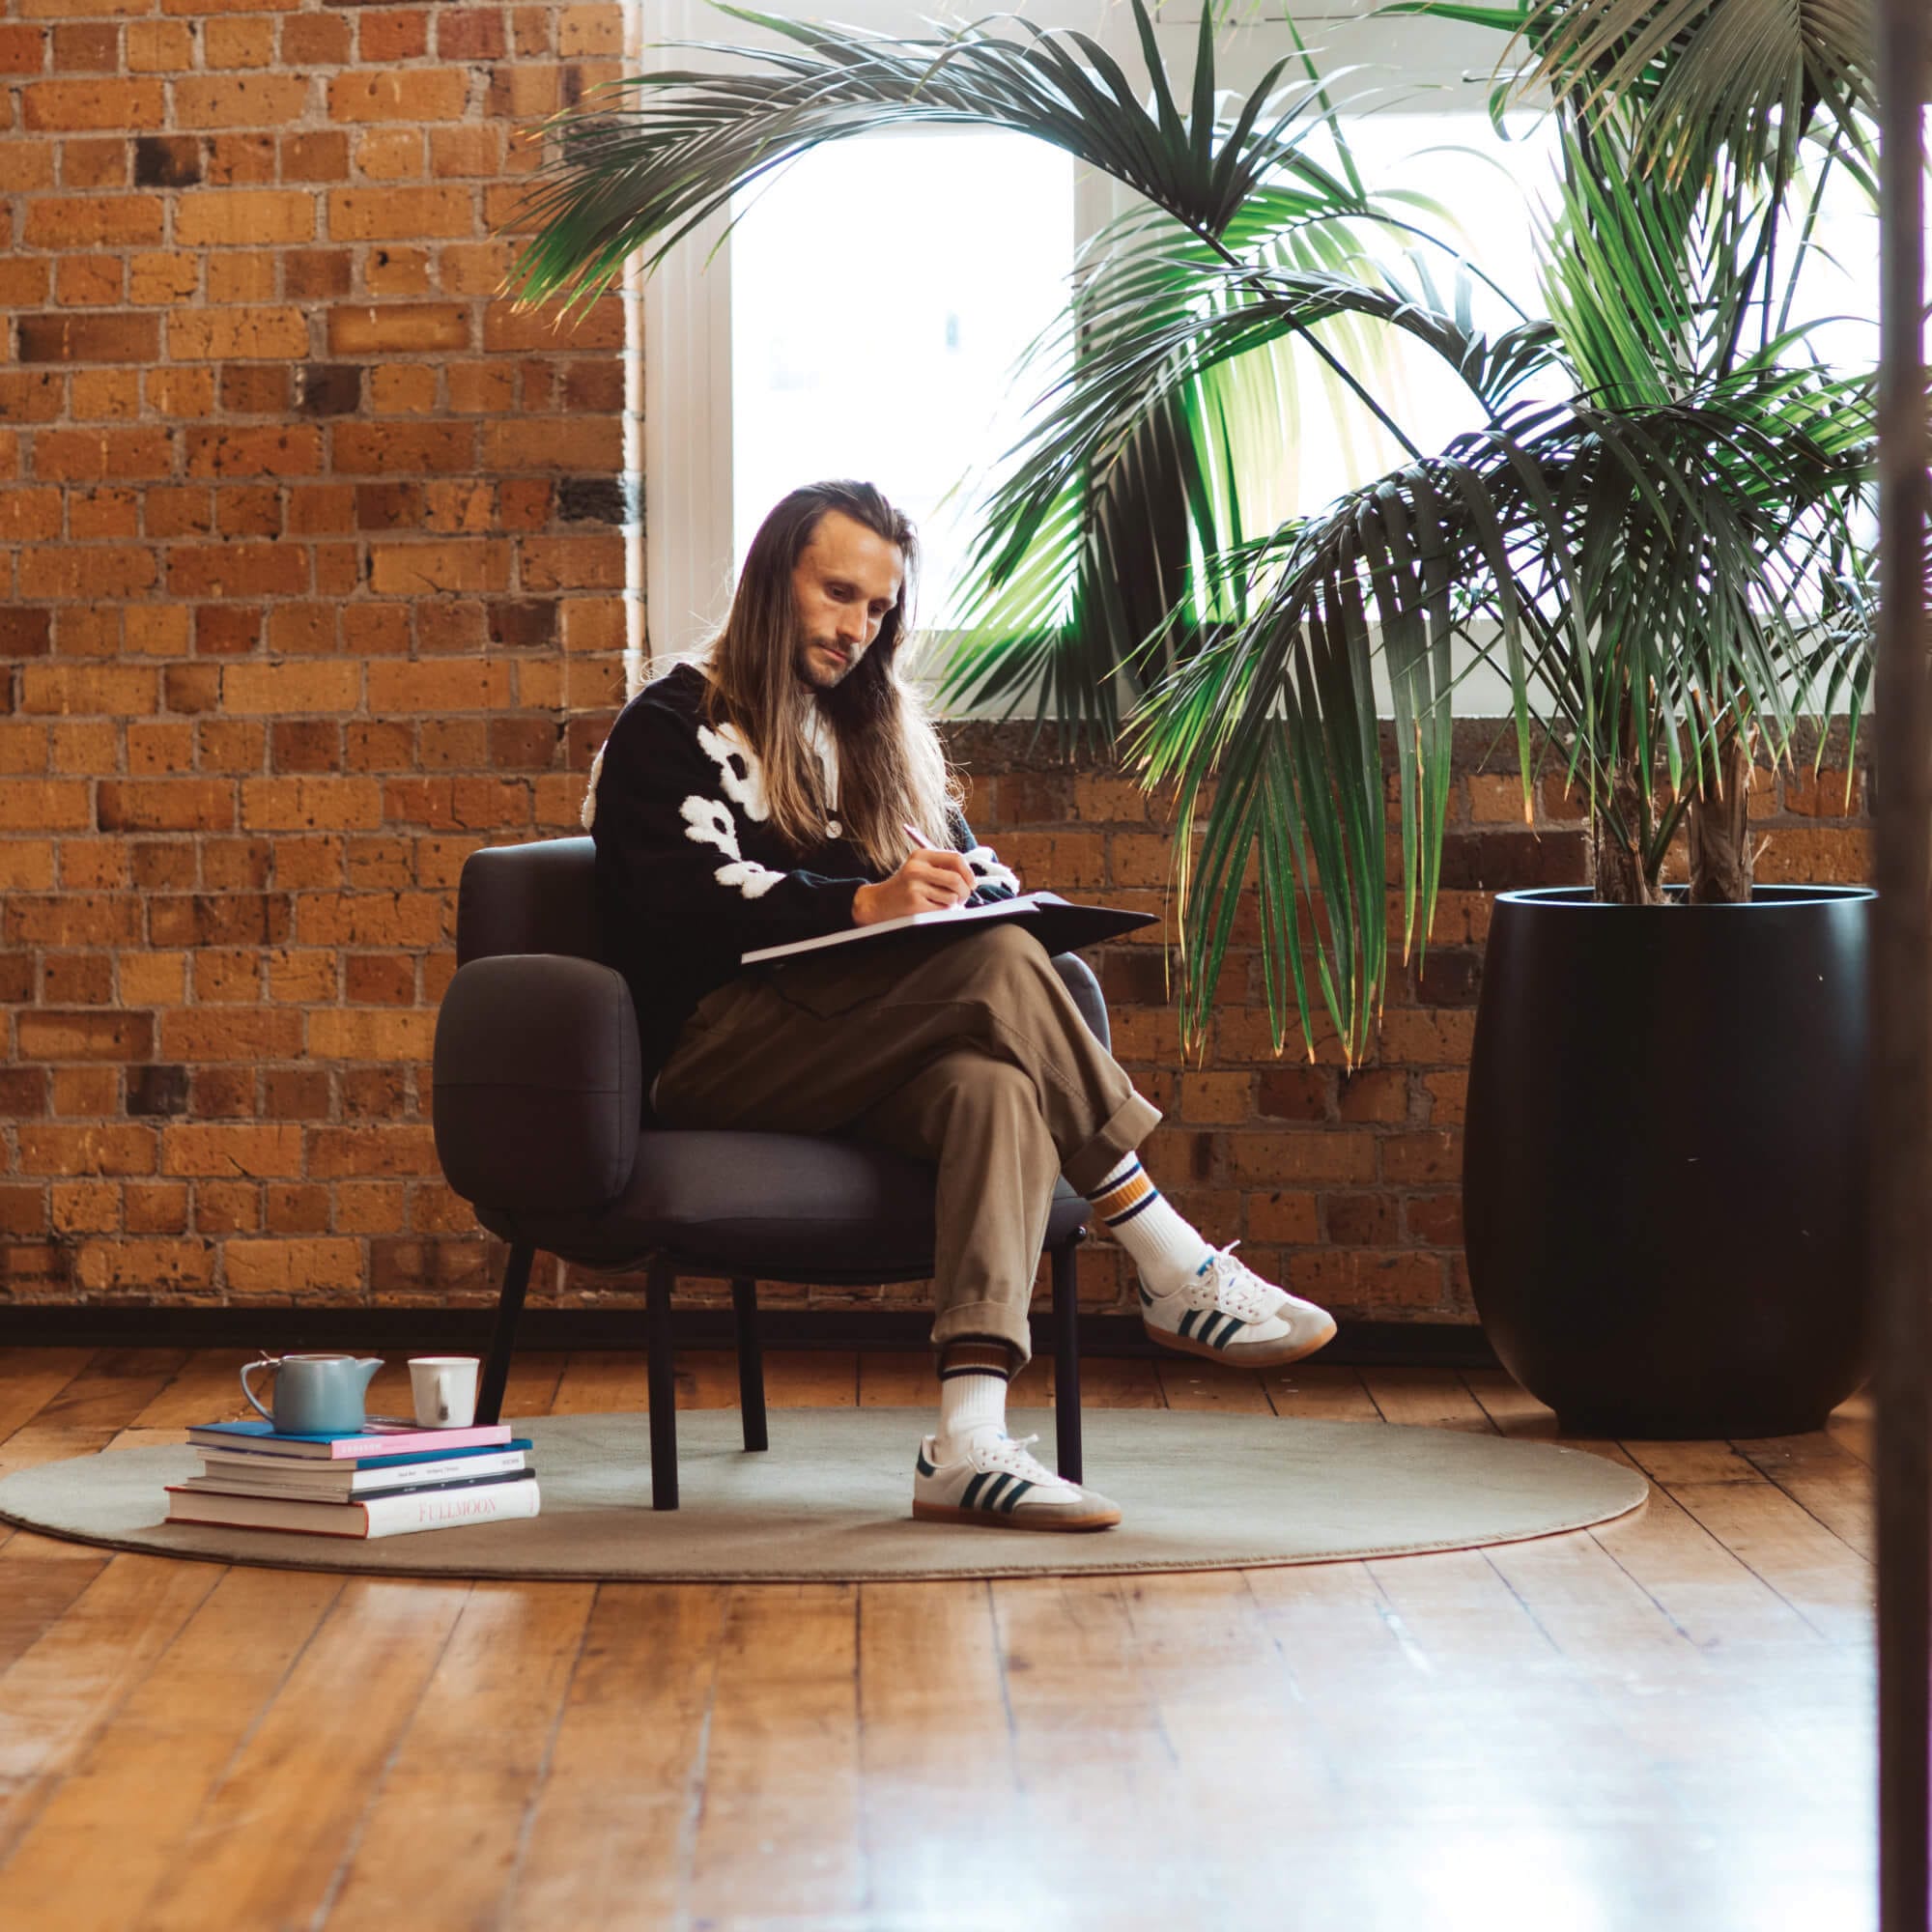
[1667,564]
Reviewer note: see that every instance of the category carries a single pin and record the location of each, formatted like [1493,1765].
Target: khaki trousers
[966,1052]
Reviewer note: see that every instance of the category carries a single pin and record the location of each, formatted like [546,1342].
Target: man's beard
[817,668]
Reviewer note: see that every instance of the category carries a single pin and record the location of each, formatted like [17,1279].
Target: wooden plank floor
[1661,1724]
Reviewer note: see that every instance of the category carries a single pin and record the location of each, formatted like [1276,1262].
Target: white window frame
[678,322]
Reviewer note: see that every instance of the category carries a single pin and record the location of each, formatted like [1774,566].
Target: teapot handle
[267,1361]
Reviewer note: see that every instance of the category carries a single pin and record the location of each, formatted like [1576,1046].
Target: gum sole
[1186,1344]
[942,1513]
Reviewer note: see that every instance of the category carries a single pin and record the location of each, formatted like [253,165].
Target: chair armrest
[538,1079]
[1079,979]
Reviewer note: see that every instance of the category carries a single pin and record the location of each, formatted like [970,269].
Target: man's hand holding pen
[933,878]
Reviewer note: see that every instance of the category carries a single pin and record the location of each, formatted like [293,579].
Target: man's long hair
[892,766]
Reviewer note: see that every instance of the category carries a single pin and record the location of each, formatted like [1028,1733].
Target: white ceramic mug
[444,1388]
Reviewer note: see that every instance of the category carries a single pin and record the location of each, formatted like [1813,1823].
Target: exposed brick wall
[309,579]
[309,583]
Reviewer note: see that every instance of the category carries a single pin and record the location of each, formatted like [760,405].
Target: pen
[912,830]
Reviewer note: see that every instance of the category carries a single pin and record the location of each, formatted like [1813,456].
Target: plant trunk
[1721,854]
[1616,866]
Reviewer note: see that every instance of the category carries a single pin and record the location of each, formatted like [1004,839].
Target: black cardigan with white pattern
[689,872]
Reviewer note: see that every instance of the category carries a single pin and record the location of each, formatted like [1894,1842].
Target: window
[777,355]
[881,293]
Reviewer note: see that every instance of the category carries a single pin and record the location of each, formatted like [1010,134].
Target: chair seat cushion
[811,1208]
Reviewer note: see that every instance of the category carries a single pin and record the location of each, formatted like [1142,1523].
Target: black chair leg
[509,1306]
[663,1389]
[750,1363]
[1066,1357]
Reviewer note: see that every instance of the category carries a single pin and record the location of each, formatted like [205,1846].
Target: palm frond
[639,177]
[1632,563]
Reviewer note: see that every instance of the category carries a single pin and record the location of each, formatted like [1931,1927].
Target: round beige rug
[831,1500]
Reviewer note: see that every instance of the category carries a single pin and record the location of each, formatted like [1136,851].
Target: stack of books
[381,1481]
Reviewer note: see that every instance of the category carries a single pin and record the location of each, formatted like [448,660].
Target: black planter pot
[1665,1157]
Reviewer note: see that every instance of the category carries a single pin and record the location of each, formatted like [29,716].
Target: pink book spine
[409,1441]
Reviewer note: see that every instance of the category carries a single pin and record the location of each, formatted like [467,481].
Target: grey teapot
[315,1395]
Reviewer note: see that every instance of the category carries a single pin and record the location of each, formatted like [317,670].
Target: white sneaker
[997,1483]
[1229,1313]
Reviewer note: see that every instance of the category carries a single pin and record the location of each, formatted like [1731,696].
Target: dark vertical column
[1902,979]
[1066,1357]
[750,1363]
[663,1389]
[509,1306]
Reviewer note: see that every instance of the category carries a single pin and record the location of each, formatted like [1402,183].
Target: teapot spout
[369,1366]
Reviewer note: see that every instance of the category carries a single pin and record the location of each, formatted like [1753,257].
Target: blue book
[379,1440]
[245,1452]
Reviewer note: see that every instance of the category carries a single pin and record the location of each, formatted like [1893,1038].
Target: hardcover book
[280,1468]
[447,1508]
[340,1482]
[378,1439]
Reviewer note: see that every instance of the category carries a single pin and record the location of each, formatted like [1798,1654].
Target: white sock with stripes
[972,1395]
[1167,1249]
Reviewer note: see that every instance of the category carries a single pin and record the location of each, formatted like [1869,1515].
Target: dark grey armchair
[537,1107]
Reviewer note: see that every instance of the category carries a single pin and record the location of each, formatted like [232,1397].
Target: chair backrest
[529,899]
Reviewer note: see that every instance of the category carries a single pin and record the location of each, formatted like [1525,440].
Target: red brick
[197,1034]
[469,34]
[227,1207]
[1316,1154]
[144,1267]
[86,1035]
[376,1150]
[1364,1284]
[290,1209]
[400,213]
[346,1033]
[375,1094]
[63,106]
[43,805]
[1291,1218]
[254,101]
[78,979]
[310,803]
[167,804]
[398,329]
[98,455]
[154,1207]
[373,1207]
[256,1152]
[381,978]
[237,569]
[1374,1094]
[97,1147]
[225,333]
[1295,1094]
[1434,1155]
[1362,1220]
[296,1269]
[1448,1098]
[1436,1220]
[295,1094]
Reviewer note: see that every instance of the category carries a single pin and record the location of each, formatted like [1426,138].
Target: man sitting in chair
[770,795]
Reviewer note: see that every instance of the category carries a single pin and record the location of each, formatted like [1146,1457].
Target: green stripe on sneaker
[1013,1494]
[973,1489]
[1187,1322]
[990,1496]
